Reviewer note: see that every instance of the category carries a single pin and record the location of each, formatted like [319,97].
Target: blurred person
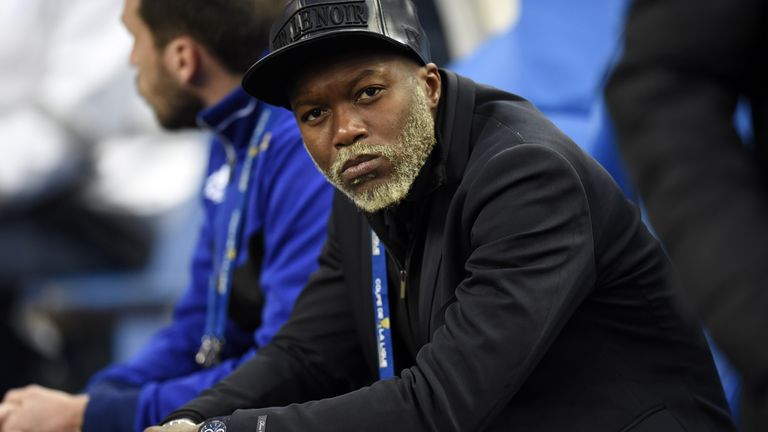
[265,212]
[54,118]
[687,65]
[472,247]
[49,224]
[48,125]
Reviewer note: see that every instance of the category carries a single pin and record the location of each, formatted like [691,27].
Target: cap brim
[267,79]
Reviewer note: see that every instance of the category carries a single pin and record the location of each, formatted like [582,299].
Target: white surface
[71,98]
[469,23]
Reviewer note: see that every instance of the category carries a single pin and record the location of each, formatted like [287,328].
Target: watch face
[214,426]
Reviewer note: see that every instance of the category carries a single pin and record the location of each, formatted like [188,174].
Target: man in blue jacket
[265,204]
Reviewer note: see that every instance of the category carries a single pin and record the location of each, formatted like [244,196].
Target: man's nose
[348,127]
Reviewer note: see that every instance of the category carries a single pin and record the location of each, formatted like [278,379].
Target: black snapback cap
[309,27]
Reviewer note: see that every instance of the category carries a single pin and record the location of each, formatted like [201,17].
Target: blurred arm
[673,98]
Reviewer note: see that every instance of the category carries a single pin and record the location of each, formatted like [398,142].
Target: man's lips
[359,167]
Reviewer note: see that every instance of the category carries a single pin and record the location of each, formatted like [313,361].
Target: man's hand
[5,410]
[39,409]
[175,428]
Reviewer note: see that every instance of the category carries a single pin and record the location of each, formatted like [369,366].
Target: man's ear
[182,59]
[433,81]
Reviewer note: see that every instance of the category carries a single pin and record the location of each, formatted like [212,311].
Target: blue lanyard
[220,282]
[380,295]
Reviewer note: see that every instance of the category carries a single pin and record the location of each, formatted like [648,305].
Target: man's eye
[313,114]
[369,92]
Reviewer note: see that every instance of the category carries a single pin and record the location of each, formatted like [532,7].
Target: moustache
[355,150]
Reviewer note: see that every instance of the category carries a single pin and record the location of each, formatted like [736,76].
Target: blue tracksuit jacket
[284,223]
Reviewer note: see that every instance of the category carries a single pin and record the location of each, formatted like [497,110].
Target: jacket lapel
[453,129]
[432,259]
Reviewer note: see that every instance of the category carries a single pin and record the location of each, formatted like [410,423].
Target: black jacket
[538,301]
[673,96]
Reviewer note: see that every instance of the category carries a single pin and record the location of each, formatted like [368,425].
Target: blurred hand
[5,411]
[174,428]
[39,409]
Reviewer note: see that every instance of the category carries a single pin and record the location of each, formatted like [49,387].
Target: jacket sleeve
[314,355]
[118,407]
[673,98]
[529,263]
[114,392]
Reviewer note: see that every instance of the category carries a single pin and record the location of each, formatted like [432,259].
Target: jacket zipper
[403,276]
[403,273]
[403,279]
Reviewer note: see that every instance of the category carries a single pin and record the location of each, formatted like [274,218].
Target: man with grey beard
[481,272]
[407,153]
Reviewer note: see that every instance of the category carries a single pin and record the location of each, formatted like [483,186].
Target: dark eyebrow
[361,76]
[365,73]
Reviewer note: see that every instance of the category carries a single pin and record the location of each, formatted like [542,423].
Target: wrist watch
[213,425]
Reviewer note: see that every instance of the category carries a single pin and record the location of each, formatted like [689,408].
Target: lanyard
[380,295]
[220,282]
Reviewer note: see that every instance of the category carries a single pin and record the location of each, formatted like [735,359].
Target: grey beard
[408,154]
